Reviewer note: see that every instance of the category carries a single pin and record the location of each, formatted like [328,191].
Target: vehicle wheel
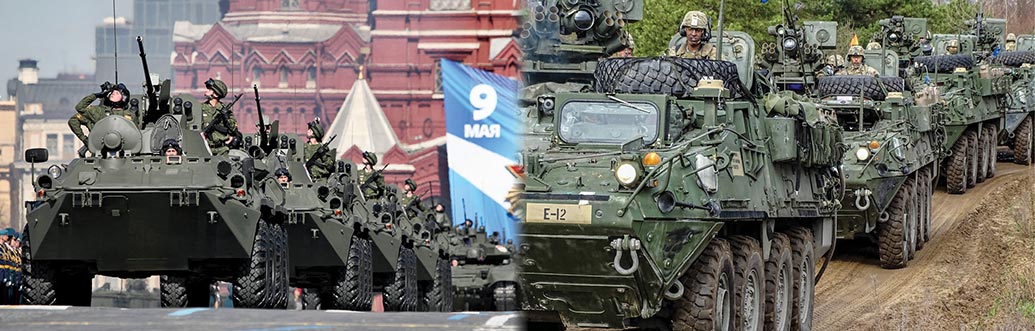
[983,155]
[893,233]
[1022,143]
[354,286]
[802,251]
[867,86]
[663,75]
[401,294]
[993,144]
[749,283]
[38,278]
[778,284]
[262,280]
[928,202]
[504,297]
[311,299]
[281,275]
[173,291]
[923,196]
[707,302]
[973,155]
[945,64]
[440,295]
[956,168]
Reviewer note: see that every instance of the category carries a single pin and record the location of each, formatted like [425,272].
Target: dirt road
[965,278]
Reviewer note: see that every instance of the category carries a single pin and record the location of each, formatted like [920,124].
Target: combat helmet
[369,158]
[873,45]
[835,60]
[855,51]
[125,96]
[1011,37]
[410,184]
[217,87]
[695,20]
[952,43]
[316,128]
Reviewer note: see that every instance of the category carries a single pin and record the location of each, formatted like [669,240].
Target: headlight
[862,153]
[707,178]
[626,174]
[55,171]
[898,152]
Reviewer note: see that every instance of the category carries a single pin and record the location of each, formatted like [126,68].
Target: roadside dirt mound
[978,271]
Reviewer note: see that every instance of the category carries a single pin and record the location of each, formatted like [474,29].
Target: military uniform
[375,187]
[87,115]
[223,131]
[857,70]
[706,51]
[694,20]
[324,164]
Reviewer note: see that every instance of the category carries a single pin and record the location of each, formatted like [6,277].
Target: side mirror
[36,155]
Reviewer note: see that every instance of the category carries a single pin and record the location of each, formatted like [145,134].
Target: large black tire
[993,144]
[749,283]
[868,87]
[957,167]
[913,215]
[944,64]
[984,153]
[973,152]
[664,75]
[440,295]
[779,284]
[802,256]
[312,299]
[703,307]
[924,197]
[893,234]
[1022,143]
[38,278]
[401,294]
[284,292]
[262,282]
[504,297]
[354,285]
[1015,58]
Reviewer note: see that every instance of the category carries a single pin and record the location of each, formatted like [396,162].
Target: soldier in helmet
[114,101]
[952,47]
[873,45]
[283,176]
[323,164]
[696,30]
[630,45]
[409,192]
[223,134]
[855,65]
[371,182]
[835,62]
[171,147]
[1011,42]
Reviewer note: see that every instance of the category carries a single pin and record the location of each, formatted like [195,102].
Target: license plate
[558,213]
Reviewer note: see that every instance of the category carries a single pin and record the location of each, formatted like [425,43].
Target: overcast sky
[58,33]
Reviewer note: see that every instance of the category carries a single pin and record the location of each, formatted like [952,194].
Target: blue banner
[483,137]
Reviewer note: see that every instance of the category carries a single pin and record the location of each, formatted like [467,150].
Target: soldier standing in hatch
[952,47]
[695,28]
[324,164]
[114,102]
[222,135]
[171,148]
[855,65]
[283,176]
[444,223]
[370,180]
[408,192]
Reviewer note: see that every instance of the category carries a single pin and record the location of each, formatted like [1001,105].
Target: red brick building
[305,55]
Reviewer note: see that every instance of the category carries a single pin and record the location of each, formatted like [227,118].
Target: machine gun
[264,137]
[370,179]
[797,54]
[989,31]
[320,152]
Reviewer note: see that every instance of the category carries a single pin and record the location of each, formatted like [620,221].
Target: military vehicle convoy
[193,218]
[670,194]
[485,277]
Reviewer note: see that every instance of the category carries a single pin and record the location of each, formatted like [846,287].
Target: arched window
[310,81]
[256,75]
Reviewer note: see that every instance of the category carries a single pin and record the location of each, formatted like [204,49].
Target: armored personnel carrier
[485,275]
[670,194]
[132,211]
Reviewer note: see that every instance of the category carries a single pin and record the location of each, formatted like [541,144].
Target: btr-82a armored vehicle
[670,194]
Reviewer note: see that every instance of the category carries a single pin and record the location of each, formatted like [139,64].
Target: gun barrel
[263,137]
[152,99]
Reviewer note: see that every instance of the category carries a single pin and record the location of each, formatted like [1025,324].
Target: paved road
[55,318]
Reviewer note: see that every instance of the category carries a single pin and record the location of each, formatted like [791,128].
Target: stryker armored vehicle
[670,194]
[130,211]
[974,91]
[485,275]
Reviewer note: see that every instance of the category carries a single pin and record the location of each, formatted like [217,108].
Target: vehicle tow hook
[622,244]
[862,199]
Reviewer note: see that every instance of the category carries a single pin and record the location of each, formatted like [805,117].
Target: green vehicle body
[485,275]
[599,253]
[195,216]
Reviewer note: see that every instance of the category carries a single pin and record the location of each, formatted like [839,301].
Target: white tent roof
[361,122]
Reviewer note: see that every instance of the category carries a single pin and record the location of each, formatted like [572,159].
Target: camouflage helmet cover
[855,51]
[369,158]
[835,60]
[410,184]
[952,43]
[695,20]
[316,128]
[1011,37]
[873,45]
[217,86]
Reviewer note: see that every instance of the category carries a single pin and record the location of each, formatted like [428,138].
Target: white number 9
[483,99]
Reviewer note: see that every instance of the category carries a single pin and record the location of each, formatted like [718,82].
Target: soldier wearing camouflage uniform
[371,187]
[1011,42]
[952,47]
[409,194]
[324,164]
[220,139]
[695,28]
[114,102]
[856,66]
